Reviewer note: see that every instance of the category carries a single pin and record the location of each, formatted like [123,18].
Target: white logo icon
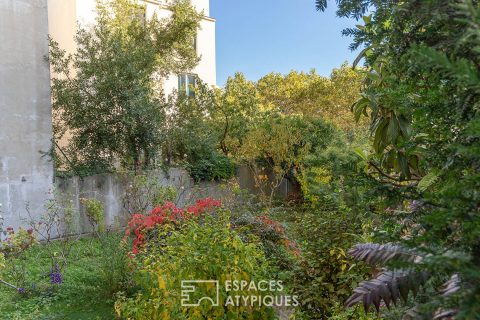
[190,287]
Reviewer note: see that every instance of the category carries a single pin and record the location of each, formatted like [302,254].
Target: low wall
[111,189]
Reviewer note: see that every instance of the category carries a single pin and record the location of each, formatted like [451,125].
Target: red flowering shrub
[167,214]
[280,231]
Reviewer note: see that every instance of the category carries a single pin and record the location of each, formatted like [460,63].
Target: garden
[384,159]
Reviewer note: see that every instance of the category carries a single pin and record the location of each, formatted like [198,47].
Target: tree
[106,95]
[278,147]
[236,112]
[193,137]
[310,94]
[422,95]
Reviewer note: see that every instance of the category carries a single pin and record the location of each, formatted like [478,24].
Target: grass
[84,293]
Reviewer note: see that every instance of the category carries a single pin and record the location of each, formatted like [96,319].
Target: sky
[257,37]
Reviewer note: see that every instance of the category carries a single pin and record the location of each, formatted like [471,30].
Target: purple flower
[56,276]
[21,290]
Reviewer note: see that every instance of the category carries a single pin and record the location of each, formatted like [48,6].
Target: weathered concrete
[25,109]
[110,189]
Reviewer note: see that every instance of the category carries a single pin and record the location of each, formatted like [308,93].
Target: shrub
[144,226]
[214,167]
[204,247]
[95,213]
[164,195]
[144,193]
[115,269]
[17,242]
[2,261]
[12,255]
[270,235]
[324,276]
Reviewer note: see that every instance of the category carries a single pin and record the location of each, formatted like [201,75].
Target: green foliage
[325,276]
[193,139]
[422,94]
[95,213]
[2,261]
[115,270]
[278,147]
[165,194]
[310,94]
[144,192]
[206,249]
[236,112]
[215,167]
[83,295]
[106,99]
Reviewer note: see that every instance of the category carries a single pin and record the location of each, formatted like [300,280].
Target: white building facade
[63,16]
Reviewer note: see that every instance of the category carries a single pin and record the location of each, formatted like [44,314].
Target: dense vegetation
[386,158]
[421,94]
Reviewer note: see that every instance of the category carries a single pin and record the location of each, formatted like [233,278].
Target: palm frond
[375,254]
[451,286]
[321,5]
[445,315]
[388,286]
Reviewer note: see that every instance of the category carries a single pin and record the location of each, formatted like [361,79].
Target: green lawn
[80,296]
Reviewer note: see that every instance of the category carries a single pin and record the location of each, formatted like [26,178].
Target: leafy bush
[2,261]
[271,236]
[325,276]
[164,195]
[202,248]
[17,242]
[95,213]
[214,167]
[12,256]
[145,192]
[422,95]
[145,226]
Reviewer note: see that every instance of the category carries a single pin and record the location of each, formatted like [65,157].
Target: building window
[186,84]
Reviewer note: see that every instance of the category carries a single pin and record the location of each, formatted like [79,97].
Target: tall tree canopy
[107,95]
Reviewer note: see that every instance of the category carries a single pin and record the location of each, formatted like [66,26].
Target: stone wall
[25,109]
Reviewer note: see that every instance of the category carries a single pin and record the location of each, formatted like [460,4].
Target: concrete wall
[25,109]
[110,189]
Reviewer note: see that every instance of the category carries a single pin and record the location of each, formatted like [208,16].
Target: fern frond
[388,286]
[428,180]
[451,286]
[321,5]
[445,315]
[375,254]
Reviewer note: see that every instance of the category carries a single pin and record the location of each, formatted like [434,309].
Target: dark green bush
[325,276]
[214,167]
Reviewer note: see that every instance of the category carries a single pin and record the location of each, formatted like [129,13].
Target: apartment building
[26,174]
[63,16]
